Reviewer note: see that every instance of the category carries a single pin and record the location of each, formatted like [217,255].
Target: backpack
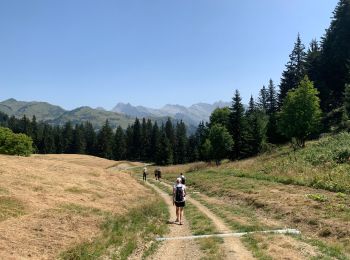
[179,193]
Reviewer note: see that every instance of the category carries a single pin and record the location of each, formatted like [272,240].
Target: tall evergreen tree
[155,144]
[78,141]
[335,56]
[295,70]
[119,145]
[67,137]
[181,143]
[170,134]
[262,100]
[137,140]
[105,141]
[90,138]
[129,137]
[237,126]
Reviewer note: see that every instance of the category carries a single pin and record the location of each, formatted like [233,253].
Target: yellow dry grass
[45,188]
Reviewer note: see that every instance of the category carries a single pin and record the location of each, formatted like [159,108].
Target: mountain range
[191,115]
[122,114]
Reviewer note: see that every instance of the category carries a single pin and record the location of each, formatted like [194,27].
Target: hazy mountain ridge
[190,115]
[56,115]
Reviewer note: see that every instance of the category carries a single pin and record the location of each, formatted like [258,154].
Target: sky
[149,52]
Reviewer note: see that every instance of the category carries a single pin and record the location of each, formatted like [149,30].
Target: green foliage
[15,144]
[206,150]
[221,142]
[347,101]
[220,116]
[300,114]
[317,197]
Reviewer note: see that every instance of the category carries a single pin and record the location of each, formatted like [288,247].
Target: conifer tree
[295,70]
[78,141]
[119,145]
[67,137]
[105,141]
[165,153]
[137,140]
[238,127]
[335,56]
[129,137]
[155,143]
[90,138]
[347,100]
[170,134]
[262,100]
[181,143]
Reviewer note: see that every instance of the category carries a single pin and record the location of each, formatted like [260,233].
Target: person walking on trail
[156,174]
[179,195]
[183,179]
[159,174]
[144,175]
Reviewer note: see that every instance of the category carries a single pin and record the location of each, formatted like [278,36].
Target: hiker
[156,174]
[159,174]
[144,176]
[179,195]
[183,179]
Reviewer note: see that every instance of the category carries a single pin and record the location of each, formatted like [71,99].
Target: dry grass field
[50,203]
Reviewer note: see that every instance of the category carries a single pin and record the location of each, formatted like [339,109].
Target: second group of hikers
[157,174]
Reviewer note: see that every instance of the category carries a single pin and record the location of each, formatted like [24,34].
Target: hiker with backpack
[156,174]
[144,175]
[179,195]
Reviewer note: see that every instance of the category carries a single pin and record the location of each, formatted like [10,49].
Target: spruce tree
[129,137]
[237,127]
[347,101]
[262,100]
[105,141]
[78,141]
[137,140]
[155,144]
[181,143]
[67,137]
[295,70]
[119,145]
[90,138]
[335,56]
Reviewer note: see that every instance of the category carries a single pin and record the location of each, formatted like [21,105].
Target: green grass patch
[255,246]
[317,197]
[10,207]
[122,233]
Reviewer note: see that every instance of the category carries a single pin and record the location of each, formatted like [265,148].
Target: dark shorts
[180,204]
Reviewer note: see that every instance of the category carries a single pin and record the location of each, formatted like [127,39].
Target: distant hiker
[159,174]
[156,174]
[144,175]
[179,195]
[183,179]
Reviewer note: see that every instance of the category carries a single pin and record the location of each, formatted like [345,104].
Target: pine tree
[192,149]
[137,140]
[119,145]
[90,138]
[58,139]
[165,153]
[78,141]
[105,141]
[155,143]
[347,101]
[47,143]
[335,56]
[67,137]
[295,70]
[181,143]
[237,126]
[129,137]
[170,134]
[262,100]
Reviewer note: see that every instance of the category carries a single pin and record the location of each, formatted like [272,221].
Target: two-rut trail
[178,249]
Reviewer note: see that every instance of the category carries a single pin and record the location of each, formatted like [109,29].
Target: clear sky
[149,52]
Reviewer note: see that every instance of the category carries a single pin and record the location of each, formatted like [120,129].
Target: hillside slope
[50,203]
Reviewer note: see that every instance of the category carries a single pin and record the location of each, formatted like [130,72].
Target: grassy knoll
[122,234]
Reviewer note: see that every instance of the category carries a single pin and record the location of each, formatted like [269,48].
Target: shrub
[15,144]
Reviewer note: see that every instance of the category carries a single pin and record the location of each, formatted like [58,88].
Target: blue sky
[149,52]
